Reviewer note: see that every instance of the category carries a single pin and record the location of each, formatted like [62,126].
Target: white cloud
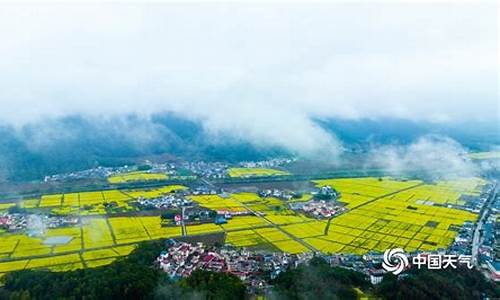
[258,71]
[431,156]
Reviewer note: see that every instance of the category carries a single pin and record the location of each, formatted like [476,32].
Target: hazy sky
[261,71]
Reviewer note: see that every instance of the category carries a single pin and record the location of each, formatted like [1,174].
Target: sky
[259,71]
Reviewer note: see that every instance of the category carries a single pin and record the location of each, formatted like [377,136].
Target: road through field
[371,201]
[300,241]
[476,240]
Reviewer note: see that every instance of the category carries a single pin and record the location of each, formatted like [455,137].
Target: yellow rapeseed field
[136,176]
[255,172]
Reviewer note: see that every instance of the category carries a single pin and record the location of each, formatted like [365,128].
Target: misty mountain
[472,135]
[77,142]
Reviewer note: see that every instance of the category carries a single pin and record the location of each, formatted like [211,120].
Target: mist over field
[245,81]
[431,156]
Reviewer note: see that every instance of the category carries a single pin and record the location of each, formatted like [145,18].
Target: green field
[255,172]
[383,213]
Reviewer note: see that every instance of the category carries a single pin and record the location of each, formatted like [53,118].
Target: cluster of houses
[218,170]
[319,209]
[475,204]
[13,222]
[177,170]
[471,203]
[489,250]
[489,242]
[189,215]
[280,194]
[59,221]
[98,172]
[34,224]
[253,268]
[181,259]
[165,168]
[271,163]
[324,204]
[228,214]
[164,202]
[203,190]
[211,170]
[463,241]
[198,214]
[192,212]
[105,172]
[256,268]
[326,193]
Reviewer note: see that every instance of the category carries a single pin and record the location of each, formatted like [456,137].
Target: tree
[214,286]
[461,283]
[143,167]
[16,209]
[319,281]
[212,214]
[168,215]
[132,277]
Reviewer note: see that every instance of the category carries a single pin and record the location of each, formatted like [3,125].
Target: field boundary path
[183,224]
[327,228]
[82,250]
[300,241]
[111,231]
[70,252]
[84,262]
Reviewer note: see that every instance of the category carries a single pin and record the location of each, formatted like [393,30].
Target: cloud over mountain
[258,72]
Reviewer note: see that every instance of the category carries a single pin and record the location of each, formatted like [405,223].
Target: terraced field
[383,213]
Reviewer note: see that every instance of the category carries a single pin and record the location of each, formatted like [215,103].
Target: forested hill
[76,143]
